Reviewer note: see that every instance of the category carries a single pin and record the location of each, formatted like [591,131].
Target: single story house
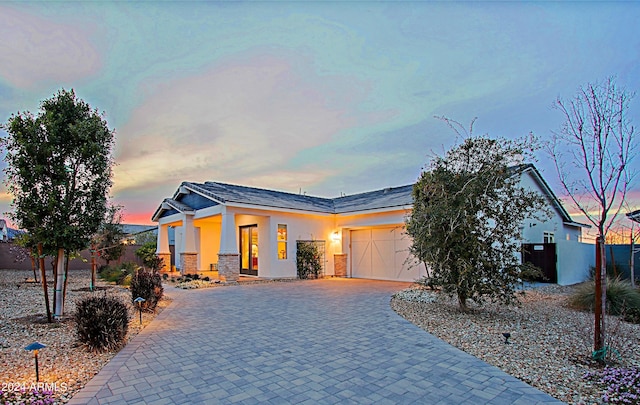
[238,230]
[4,231]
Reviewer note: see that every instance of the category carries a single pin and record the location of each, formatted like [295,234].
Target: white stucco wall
[574,262]
[533,230]
[299,227]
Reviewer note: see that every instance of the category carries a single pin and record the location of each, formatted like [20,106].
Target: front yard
[64,365]
[549,345]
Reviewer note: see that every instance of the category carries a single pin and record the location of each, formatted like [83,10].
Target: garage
[380,253]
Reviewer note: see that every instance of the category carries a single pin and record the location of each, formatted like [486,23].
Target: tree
[592,154]
[110,234]
[59,173]
[466,218]
[108,241]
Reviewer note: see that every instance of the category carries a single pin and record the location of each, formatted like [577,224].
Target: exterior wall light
[335,236]
[34,347]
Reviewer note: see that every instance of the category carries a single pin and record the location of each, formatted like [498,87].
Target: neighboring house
[252,231]
[133,232]
[4,231]
[8,234]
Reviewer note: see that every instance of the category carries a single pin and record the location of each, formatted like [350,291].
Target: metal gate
[542,255]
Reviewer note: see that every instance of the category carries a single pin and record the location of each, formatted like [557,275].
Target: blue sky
[323,97]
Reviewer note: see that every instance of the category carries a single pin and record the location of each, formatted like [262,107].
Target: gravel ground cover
[550,343]
[65,365]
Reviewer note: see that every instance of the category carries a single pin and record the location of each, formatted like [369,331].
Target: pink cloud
[243,119]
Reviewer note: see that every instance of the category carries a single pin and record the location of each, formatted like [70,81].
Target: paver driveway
[314,342]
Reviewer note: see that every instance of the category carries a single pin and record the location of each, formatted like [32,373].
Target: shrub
[148,285]
[206,279]
[621,385]
[109,273]
[118,274]
[632,315]
[102,322]
[147,253]
[308,260]
[126,280]
[621,297]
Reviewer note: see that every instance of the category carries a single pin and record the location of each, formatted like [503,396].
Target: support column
[189,254]
[162,250]
[228,257]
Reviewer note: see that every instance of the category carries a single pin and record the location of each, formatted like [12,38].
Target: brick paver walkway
[313,342]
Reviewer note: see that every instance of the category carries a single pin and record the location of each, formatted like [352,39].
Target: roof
[222,193]
[133,229]
[555,201]
[634,216]
[192,196]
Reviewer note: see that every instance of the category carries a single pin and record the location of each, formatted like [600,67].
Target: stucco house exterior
[4,231]
[237,230]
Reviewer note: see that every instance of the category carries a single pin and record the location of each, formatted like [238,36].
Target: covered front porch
[205,242]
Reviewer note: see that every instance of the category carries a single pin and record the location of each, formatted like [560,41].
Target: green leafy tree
[466,218]
[59,173]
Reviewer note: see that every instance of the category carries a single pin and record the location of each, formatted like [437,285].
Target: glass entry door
[249,250]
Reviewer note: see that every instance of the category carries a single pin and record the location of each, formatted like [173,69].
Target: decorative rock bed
[65,366]
[550,343]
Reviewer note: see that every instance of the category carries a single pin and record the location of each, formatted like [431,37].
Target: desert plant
[119,274]
[102,322]
[148,285]
[632,315]
[621,297]
[108,273]
[621,385]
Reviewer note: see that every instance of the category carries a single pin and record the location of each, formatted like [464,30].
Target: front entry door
[249,250]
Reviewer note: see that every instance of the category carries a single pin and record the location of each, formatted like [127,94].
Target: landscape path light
[34,347]
[139,301]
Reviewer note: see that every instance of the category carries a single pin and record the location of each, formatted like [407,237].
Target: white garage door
[380,253]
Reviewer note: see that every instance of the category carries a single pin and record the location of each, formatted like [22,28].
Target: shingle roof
[386,198]
[393,197]
[231,193]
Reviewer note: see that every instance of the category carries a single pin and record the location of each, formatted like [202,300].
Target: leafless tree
[592,154]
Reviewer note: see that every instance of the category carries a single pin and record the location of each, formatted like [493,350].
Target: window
[282,242]
[548,237]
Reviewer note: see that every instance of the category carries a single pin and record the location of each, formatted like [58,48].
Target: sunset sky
[319,97]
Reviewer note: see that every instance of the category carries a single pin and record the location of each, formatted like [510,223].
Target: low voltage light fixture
[506,335]
[34,347]
[139,301]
